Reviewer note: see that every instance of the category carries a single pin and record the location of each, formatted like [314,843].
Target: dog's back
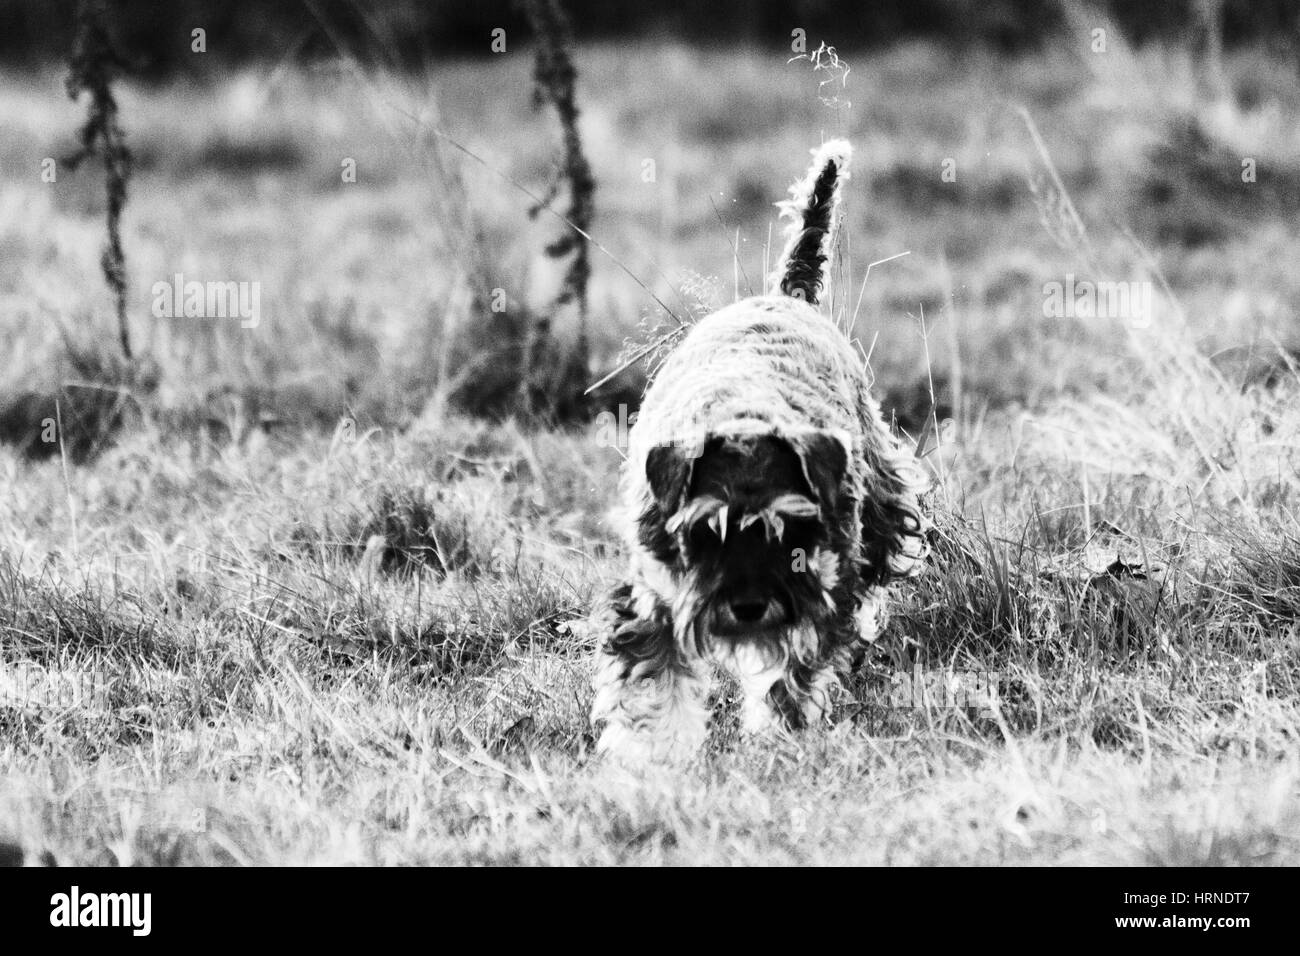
[773,362]
[764,364]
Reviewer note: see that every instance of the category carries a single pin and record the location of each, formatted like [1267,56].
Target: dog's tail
[804,266]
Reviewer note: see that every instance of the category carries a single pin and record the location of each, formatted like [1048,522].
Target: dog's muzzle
[748,612]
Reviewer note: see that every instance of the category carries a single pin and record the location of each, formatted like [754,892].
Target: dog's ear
[894,526]
[668,468]
[824,457]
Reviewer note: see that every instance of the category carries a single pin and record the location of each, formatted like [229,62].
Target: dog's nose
[748,610]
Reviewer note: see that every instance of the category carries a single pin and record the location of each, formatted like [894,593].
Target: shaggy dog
[769,508]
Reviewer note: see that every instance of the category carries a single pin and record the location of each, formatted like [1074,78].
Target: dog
[769,507]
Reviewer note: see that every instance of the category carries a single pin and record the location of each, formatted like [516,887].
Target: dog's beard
[705,623]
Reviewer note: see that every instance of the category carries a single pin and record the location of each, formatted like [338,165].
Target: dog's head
[753,519]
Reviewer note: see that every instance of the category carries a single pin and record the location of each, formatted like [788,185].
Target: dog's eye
[703,533]
[799,531]
[702,541]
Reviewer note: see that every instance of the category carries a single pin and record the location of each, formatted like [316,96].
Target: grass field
[302,609]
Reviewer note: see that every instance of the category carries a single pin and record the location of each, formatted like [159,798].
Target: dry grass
[301,611]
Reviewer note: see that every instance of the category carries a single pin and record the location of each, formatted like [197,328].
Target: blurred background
[31,31]
[1001,146]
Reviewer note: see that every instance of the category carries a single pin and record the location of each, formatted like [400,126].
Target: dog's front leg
[802,698]
[649,694]
[804,694]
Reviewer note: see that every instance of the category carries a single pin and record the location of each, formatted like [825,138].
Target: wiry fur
[760,481]
[804,266]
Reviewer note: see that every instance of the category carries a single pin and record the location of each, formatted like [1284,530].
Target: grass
[295,607]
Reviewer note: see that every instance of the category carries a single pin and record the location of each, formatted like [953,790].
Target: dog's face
[751,516]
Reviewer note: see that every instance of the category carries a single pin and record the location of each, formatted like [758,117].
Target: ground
[303,608]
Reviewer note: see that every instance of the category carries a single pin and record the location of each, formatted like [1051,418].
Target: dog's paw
[631,748]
